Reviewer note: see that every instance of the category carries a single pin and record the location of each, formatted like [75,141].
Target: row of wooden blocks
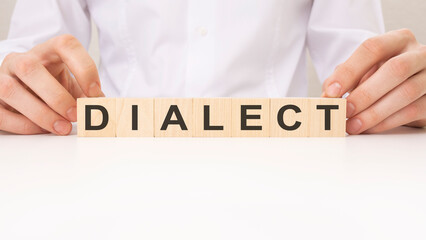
[211,117]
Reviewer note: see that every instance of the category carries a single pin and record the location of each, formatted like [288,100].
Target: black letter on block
[327,112]
[179,119]
[280,117]
[134,117]
[105,117]
[244,117]
[207,120]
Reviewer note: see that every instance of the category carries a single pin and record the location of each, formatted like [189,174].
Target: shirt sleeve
[34,22]
[336,28]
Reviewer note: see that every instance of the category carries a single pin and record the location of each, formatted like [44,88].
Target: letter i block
[96,117]
[212,117]
[250,117]
[173,117]
[135,117]
[327,117]
[289,117]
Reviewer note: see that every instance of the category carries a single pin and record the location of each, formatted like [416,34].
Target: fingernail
[334,90]
[354,125]
[72,114]
[95,90]
[350,109]
[62,127]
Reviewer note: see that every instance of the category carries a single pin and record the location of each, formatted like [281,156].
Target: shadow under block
[250,117]
[173,117]
[289,117]
[327,117]
[135,117]
[96,117]
[212,117]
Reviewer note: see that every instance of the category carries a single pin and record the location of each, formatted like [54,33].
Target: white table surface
[358,187]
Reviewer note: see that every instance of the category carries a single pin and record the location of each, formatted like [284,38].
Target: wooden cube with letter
[173,117]
[289,117]
[135,117]
[212,117]
[250,117]
[327,117]
[96,117]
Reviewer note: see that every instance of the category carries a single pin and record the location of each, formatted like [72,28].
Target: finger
[69,50]
[370,53]
[31,72]
[398,98]
[390,75]
[417,124]
[413,112]
[15,95]
[17,123]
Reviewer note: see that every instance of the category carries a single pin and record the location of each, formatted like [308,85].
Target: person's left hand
[386,79]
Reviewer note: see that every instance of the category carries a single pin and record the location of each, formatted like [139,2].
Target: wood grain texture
[317,123]
[164,106]
[185,117]
[289,117]
[258,114]
[219,117]
[143,126]
[96,117]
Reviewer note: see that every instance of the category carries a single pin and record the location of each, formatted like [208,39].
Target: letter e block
[173,117]
[250,117]
[135,117]
[96,117]
[327,117]
[289,117]
[212,117]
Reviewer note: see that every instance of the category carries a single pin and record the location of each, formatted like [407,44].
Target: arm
[45,67]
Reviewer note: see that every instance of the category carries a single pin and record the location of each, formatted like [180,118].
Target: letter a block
[289,117]
[96,117]
[212,117]
[173,117]
[327,117]
[135,117]
[250,117]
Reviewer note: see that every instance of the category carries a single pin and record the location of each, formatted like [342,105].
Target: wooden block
[327,117]
[96,117]
[135,117]
[250,117]
[289,117]
[173,117]
[212,117]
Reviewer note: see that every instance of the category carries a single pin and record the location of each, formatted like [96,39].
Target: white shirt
[203,48]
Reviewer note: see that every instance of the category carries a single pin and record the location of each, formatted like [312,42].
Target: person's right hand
[39,88]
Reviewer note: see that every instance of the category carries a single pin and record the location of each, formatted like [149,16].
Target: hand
[386,79]
[37,91]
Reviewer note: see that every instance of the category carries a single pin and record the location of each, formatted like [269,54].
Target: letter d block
[173,117]
[135,117]
[290,117]
[96,117]
[250,117]
[327,117]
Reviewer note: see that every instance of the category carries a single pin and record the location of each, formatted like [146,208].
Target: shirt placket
[201,31]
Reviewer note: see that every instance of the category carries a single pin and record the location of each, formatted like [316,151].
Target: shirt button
[203,31]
